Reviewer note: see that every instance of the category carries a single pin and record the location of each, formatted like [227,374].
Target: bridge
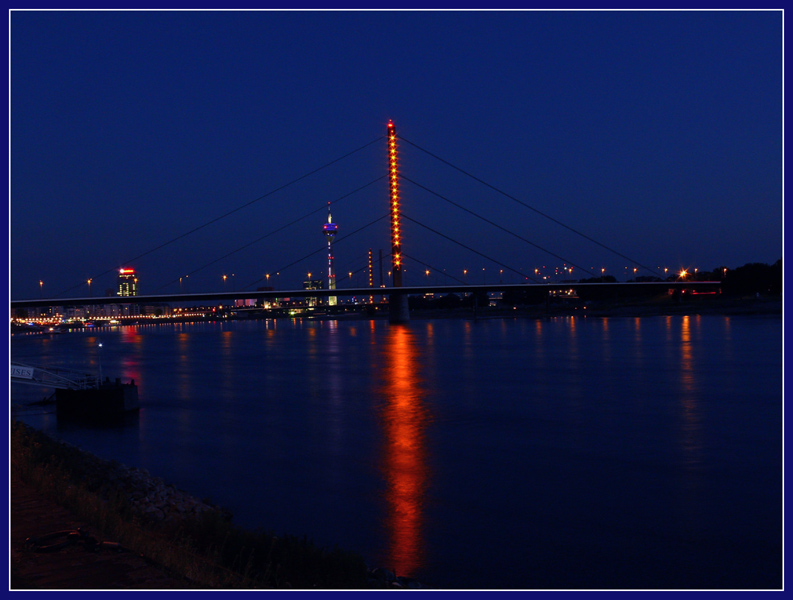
[215,297]
[396,292]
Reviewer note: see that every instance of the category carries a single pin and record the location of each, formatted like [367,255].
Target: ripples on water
[570,453]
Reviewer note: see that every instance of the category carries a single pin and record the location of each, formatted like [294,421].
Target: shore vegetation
[208,550]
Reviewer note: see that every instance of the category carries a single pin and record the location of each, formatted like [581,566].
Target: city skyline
[133,134]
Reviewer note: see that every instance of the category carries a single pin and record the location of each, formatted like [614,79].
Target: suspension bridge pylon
[398,311]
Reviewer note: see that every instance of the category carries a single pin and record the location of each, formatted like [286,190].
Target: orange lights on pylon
[396,248]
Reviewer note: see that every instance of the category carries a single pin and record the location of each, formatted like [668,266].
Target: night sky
[656,134]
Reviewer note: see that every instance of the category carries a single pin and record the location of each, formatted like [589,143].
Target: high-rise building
[127,283]
[330,229]
[312,284]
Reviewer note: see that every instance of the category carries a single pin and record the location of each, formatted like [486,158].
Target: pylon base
[398,311]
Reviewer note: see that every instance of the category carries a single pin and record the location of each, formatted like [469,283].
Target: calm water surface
[569,453]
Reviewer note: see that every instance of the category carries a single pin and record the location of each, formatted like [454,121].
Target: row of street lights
[682,274]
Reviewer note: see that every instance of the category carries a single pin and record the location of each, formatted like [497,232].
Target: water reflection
[638,347]
[606,355]
[404,419]
[334,388]
[691,423]
[686,360]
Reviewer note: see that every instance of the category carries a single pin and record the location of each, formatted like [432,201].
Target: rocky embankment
[154,501]
[149,497]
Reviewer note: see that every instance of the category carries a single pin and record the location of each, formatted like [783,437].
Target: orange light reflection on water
[404,419]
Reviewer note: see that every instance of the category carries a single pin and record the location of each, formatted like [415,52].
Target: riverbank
[75,565]
[184,542]
[424,308]
[624,307]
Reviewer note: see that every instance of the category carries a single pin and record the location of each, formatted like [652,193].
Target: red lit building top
[127,283]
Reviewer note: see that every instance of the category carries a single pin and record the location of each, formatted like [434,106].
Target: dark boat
[109,399]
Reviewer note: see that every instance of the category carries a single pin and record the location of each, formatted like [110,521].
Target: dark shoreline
[666,305]
[191,543]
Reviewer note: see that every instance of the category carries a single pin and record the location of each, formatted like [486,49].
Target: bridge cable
[223,216]
[434,269]
[310,254]
[357,260]
[529,207]
[562,258]
[469,248]
[274,231]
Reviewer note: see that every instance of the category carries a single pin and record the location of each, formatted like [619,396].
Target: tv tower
[330,229]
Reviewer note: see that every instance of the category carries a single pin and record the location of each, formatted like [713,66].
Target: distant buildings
[312,284]
[127,283]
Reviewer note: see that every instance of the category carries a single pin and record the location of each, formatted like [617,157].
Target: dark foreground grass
[208,551]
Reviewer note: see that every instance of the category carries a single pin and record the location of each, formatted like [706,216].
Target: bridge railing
[52,377]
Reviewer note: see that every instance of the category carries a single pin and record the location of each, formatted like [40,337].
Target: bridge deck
[349,292]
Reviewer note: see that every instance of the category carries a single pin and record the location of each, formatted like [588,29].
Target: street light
[89,287]
[41,288]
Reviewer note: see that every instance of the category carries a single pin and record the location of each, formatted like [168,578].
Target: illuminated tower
[371,276]
[330,229]
[396,234]
[127,283]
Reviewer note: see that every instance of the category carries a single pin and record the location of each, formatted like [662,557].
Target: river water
[573,453]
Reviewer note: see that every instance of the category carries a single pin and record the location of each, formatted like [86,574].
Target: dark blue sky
[658,134]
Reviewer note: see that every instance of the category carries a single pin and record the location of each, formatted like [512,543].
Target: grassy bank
[207,550]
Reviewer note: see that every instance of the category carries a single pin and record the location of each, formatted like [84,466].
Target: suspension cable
[274,231]
[352,233]
[355,260]
[469,248]
[562,258]
[435,269]
[223,216]
[529,207]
